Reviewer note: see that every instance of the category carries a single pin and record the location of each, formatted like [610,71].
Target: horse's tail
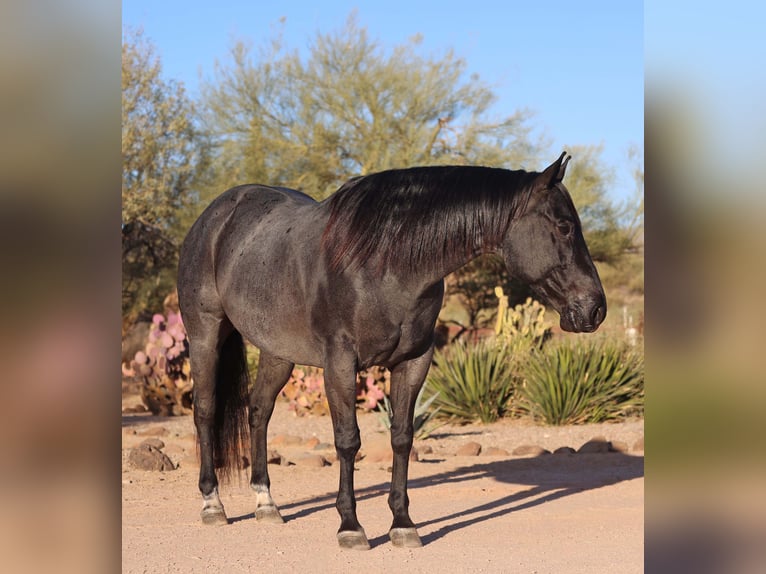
[231,429]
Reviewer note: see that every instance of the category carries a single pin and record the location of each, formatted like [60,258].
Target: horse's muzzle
[584,316]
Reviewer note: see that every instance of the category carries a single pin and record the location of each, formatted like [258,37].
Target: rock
[174,451]
[380,451]
[273,457]
[425,449]
[286,440]
[639,445]
[153,431]
[312,461]
[155,442]
[324,446]
[595,445]
[618,446]
[529,450]
[135,409]
[469,449]
[495,451]
[564,450]
[146,457]
[312,442]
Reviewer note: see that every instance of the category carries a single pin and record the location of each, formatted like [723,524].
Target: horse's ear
[554,173]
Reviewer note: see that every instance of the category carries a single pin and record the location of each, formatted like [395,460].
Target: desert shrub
[474,381]
[582,382]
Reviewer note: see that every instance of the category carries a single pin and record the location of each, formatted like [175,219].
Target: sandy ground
[553,513]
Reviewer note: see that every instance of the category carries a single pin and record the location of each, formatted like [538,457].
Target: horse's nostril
[597,315]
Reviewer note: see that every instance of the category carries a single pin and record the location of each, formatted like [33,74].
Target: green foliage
[575,382]
[588,180]
[351,107]
[422,415]
[162,152]
[474,381]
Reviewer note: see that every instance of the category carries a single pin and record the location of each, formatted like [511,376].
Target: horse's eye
[565,227]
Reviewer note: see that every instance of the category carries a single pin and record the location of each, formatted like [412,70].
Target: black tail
[231,431]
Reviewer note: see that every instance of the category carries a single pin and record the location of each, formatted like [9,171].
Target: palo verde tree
[161,152]
[351,107]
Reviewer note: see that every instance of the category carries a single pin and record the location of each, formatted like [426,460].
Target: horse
[350,282]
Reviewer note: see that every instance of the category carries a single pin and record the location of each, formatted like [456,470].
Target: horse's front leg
[340,386]
[406,381]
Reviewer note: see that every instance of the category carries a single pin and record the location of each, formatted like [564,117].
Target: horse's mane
[420,218]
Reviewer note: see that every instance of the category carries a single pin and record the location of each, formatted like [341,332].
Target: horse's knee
[401,441]
[348,446]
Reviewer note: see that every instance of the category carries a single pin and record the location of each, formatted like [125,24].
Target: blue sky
[579,66]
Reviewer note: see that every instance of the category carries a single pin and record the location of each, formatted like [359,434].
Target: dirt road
[551,513]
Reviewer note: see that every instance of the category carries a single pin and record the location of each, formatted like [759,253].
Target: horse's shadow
[549,477]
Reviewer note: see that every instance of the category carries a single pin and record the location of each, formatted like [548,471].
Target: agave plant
[574,383]
[474,381]
[422,416]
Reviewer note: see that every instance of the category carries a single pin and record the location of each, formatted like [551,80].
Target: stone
[595,445]
[495,451]
[529,450]
[135,409]
[469,449]
[639,445]
[155,442]
[153,431]
[286,440]
[380,451]
[312,442]
[618,446]
[425,449]
[273,457]
[146,457]
[564,450]
[312,461]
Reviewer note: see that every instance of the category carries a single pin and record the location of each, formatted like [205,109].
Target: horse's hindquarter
[265,269]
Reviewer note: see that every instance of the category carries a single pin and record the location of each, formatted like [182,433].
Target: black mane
[420,218]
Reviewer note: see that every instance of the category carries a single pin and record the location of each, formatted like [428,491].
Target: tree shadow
[549,477]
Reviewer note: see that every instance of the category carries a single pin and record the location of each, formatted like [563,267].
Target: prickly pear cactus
[164,366]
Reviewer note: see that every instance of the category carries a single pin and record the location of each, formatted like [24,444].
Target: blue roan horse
[354,281]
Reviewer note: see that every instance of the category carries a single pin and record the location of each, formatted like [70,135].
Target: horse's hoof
[353,540]
[405,538]
[268,515]
[213,516]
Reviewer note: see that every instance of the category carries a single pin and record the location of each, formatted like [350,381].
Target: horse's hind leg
[273,373]
[204,353]
[406,381]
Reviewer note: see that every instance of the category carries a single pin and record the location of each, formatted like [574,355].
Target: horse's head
[545,248]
